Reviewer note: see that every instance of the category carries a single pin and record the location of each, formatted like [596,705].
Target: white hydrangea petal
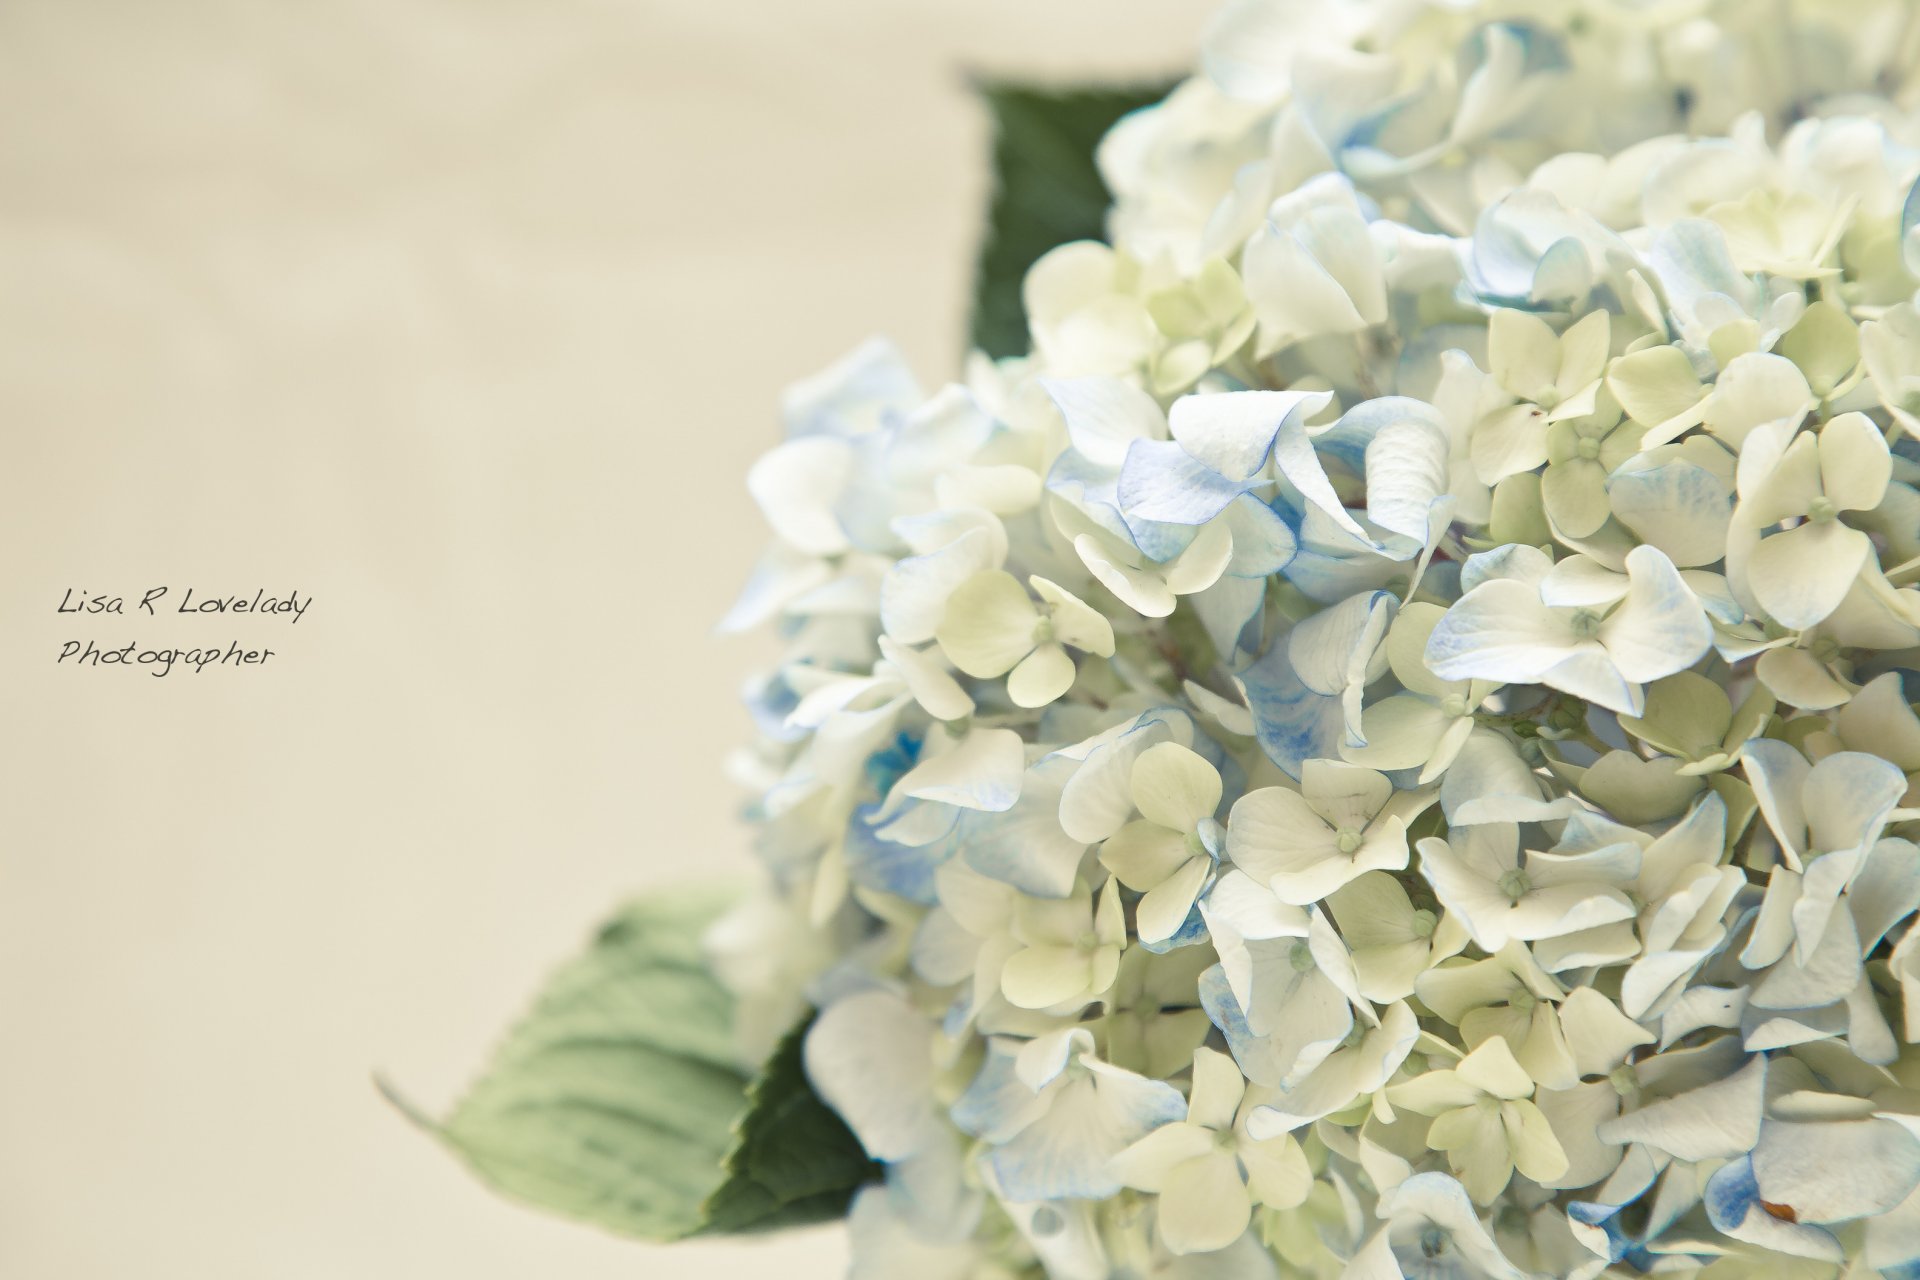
[797,485]
[1836,1171]
[1160,481]
[1442,1201]
[1097,797]
[1104,416]
[915,592]
[1499,630]
[1407,464]
[1233,433]
[1800,575]
[1583,582]
[1847,797]
[1718,1120]
[982,771]
[1490,783]
[870,1057]
[1676,506]
[1755,388]
[1658,628]
[1345,796]
[1537,1153]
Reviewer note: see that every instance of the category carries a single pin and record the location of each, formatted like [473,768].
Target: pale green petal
[1218,1087]
[1453,991]
[1074,621]
[1401,732]
[1575,495]
[1041,977]
[1584,349]
[1799,679]
[1778,475]
[1825,343]
[1407,649]
[1204,1205]
[1476,1144]
[1854,463]
[1536,1152]
[1373,910]
[1493,1069]
[1508,442]
[1146,1164]
[1041,676]
[1637,791]
[1175,786]
[1517,513]
[1274,831]
[1523,353]
[1166,906]
[1687,715]
[1144,854]
[1598,1034]
[1435,1092]
[1204,560]
[1278,1174]
[988,625]
[1656,387]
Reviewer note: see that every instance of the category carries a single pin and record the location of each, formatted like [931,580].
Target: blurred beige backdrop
[464,317]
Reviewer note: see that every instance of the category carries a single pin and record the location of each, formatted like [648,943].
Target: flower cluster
[1382,748]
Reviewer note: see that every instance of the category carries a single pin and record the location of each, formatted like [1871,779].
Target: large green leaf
[617,1100]
[1047,191]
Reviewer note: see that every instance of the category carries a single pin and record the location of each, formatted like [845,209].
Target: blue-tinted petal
[1161,481]
[904,870]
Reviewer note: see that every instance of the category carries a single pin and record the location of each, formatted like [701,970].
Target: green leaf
[618,1101]
[1047,192]
[793,1160]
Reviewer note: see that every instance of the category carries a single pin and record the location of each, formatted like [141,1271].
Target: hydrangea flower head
[1382,748]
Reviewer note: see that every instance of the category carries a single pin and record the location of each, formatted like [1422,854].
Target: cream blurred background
[464,317]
